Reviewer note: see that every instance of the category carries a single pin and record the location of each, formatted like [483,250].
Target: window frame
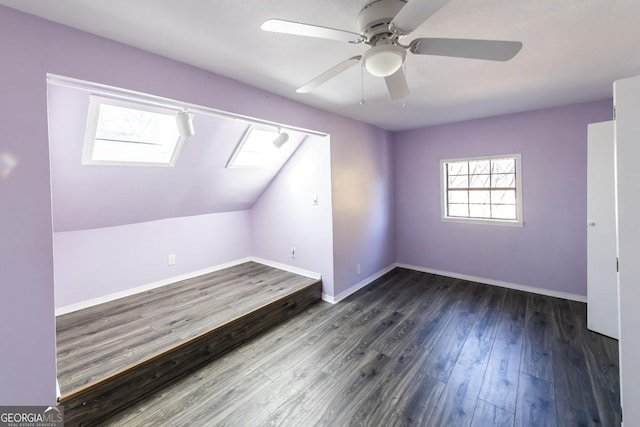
[95,102]
[518,222]
[240,147]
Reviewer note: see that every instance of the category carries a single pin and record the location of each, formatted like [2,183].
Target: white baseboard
[342,295]
[287,267]
[532,289]
[138,289]
[328,298]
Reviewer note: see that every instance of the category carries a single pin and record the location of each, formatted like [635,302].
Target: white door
[627,101]
[602,275]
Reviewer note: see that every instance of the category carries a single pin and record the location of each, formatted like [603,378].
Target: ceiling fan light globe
[385,60]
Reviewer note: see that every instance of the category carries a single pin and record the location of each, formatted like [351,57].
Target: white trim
[525,288]
[344,294]
[112,91]
[95,102]
[481,221]
[313,275]
[128,292]
[519,222]
[267,147]
[286,267]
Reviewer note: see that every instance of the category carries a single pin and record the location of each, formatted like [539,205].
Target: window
[482,189]
[256,149]
[128,133]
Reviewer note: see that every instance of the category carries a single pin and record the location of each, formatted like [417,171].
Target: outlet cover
[171,259]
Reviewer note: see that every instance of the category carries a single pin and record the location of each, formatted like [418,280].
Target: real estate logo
[31,416]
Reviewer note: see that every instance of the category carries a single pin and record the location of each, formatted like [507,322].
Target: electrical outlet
[171,259]
[293,251]
[357,268]
[315,200]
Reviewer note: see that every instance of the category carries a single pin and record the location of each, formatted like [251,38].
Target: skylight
[128,133]
[256,148]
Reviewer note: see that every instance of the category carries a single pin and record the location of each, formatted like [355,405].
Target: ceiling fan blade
[397,85]
[300,29]
[413,14]
[492,50]
[330,73]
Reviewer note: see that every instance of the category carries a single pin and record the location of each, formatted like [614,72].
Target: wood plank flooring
[99,341]
[411,349]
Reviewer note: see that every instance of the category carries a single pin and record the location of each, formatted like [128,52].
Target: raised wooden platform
[113,354]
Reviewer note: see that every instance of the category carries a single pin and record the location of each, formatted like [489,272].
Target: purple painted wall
[550,251]
[98,262]
[32,47]
[27,331]
[363,209]
[286,217]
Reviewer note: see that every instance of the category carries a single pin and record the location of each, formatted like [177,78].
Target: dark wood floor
[99,341]
[410,349]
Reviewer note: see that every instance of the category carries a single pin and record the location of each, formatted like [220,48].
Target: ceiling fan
[382,25]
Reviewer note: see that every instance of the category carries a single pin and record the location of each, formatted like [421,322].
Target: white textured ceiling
[573,51]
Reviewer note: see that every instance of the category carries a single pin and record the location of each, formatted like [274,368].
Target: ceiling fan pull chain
[362,83]
[404,67]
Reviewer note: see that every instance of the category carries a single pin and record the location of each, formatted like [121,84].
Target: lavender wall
[32,47]
[27,354]
[285,215]
[98,262]
[363,218]
[550,251]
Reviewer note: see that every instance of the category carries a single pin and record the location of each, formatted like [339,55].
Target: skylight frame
[270,151]
[96,102]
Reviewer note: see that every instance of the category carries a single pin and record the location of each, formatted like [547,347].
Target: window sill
[503,223]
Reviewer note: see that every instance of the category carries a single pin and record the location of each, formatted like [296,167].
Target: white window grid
[515,187]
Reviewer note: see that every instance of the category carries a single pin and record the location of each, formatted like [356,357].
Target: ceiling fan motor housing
[374,18]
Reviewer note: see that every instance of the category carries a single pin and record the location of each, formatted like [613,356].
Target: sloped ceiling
[89,196]
[573,51]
